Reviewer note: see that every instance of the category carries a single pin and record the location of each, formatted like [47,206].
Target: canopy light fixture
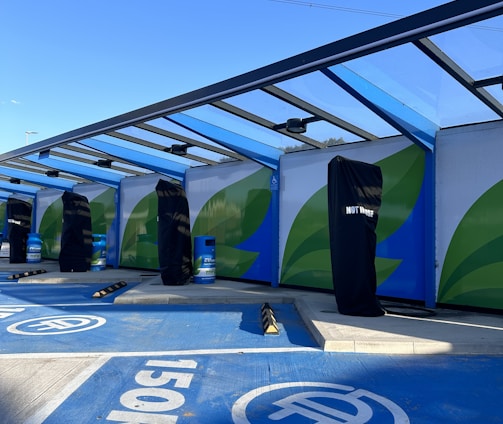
[296,126]
[177,149]
[104,163]
[15,181]
[52,173]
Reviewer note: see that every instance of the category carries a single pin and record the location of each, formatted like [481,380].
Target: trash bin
[99,256]
[204,259]
[33,248]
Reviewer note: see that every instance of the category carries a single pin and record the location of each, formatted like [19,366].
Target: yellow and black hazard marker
[109,289]
[25,274]
[269,321]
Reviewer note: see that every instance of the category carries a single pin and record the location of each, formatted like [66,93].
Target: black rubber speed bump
[269,321]
[25,274]
[109,289]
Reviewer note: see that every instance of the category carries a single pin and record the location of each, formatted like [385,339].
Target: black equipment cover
[76,234]
[354,200]
[174,237]
[19,224]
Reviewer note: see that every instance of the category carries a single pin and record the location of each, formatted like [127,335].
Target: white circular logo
[317,402]
[58,324]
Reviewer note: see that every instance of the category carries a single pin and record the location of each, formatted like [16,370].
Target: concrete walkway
[447,332]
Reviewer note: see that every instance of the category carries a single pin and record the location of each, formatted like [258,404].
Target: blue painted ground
[211,364]
[19,293]
[294,387]
[135,328]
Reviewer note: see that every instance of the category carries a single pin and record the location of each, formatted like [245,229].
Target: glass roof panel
[241,126]
[329,134]
[207,154]
[96,155]
[85,154]
[30,166]
[496,91]
[143,149]
[93,156]
[166,142]
[269,107]
[323,93]
[476,48]
[167,125]
[92,169]
[408,75]
[147,135]
[279,111]
[89,154]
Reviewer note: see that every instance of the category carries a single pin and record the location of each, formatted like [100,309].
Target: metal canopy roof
[436,69]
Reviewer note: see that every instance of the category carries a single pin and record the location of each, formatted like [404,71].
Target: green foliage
[303,146]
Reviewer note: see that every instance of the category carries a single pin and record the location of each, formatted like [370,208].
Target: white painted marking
[57,305]
[46,355]
[56,325]
[40,416]
[441,321]
[301,403]
[7,312]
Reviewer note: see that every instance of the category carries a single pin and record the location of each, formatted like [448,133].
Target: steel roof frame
[19,188]
[220,104]
[155,146]
[318,113]
[27,166]
[108,178]
[259,152]
[4,195]
[161,166]
[415,126]
[41,180]
[67,152]
[189,141]
[127,169]
[455,71]
[412,29]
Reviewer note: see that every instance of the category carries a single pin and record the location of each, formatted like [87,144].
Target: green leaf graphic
[103,211]
[314,269]
[233,215]
[232,262]
[3,210]
[50,228]
[473,262]
[306,259]
[385,267]
[139,243]
[95,256]
[403,175]
[197,265]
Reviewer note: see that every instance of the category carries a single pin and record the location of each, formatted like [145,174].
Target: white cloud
[15,102]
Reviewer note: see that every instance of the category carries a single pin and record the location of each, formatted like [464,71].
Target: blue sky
[67,64]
